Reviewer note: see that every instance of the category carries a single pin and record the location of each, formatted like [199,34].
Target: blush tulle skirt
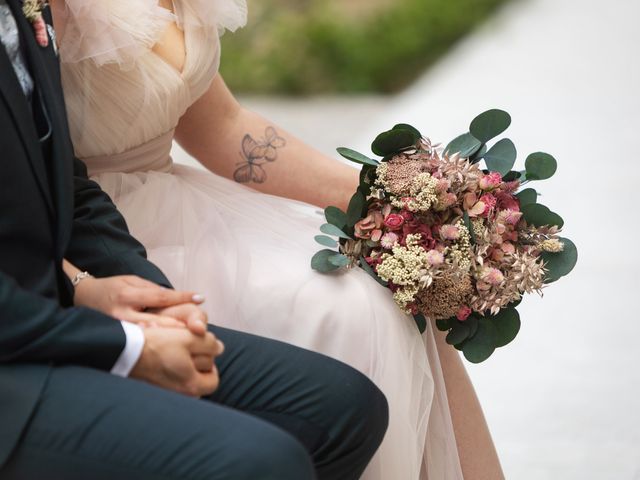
[249,254]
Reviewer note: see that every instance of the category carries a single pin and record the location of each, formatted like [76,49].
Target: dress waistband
[153,155]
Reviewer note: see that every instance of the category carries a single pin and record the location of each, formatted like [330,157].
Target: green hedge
[316,46]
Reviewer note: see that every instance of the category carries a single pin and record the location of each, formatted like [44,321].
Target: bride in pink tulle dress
[138,74]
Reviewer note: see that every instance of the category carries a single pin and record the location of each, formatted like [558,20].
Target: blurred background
[563,400]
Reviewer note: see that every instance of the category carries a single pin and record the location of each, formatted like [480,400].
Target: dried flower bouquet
[454,241]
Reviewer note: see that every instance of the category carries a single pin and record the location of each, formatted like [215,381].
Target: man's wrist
[132,350]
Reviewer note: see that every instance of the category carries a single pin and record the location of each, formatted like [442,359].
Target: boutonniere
[32,9]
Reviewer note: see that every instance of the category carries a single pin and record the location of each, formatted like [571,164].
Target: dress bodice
[124,107]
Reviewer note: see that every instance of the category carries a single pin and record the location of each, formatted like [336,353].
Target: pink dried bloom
[445,200]
[443,185]
[497,255]
[364,228]
[376,235]
[508,248]
[491,181]
[506,201]
[491,276]
[471,204]
[388,240]
[489,202]
[449,232]
[435,258]
[509,217]
[463,313]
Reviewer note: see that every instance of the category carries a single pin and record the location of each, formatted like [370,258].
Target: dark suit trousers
[280,413]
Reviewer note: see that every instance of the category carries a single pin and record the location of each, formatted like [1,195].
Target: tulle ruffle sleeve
[110,31]
[222,14]
[120,31]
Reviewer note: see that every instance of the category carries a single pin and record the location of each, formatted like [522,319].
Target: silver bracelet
[79,277]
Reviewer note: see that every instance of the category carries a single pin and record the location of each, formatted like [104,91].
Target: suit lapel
[17,104]
[62,151]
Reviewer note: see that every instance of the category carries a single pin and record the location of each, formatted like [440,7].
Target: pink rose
[491,181]
[394,221]
[463,313]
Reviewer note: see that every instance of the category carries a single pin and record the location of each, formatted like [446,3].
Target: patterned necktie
[10,37]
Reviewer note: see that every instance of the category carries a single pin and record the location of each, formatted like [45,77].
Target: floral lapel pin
[32,9]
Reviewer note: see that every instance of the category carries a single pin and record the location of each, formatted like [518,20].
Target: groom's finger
[203,363]
[206,345]
[209,382]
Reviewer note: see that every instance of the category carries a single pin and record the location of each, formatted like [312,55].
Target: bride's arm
[241,145]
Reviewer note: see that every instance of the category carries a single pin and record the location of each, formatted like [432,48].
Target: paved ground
[563,400]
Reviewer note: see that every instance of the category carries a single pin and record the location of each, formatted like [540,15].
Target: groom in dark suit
[69,408]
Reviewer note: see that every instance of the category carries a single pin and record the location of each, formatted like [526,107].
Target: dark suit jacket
[49,209]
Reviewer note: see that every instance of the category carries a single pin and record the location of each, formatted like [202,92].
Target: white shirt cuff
[132,350]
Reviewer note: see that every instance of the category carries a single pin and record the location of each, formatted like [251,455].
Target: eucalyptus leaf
[480,347]
[357,157]
[472,323]
[538,215]
[421,322]
[527,197]
[490,124]
[320,261]
[507,323]
[393,141]
[411,128]
[540,166]
[501,157]
[460,346]
[560,264]
[356,208]
[335,216]
[326,241]
[367,268]
[444,324]
[511,176]
[515,303]
[339,260]
[476,157]
[458,333]
[332,230]
[366,180]
[466,145]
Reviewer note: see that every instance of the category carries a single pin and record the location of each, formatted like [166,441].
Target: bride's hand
[133,299]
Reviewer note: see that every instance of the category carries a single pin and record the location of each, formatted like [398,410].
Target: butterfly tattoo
[256,154]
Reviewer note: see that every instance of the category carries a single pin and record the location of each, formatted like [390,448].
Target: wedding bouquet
[455,241]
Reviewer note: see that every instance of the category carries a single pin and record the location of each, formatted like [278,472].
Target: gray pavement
[563,400]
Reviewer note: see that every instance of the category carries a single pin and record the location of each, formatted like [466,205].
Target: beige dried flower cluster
[32,9]
[445,295]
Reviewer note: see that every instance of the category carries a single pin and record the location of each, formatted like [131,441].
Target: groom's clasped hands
[179,352]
